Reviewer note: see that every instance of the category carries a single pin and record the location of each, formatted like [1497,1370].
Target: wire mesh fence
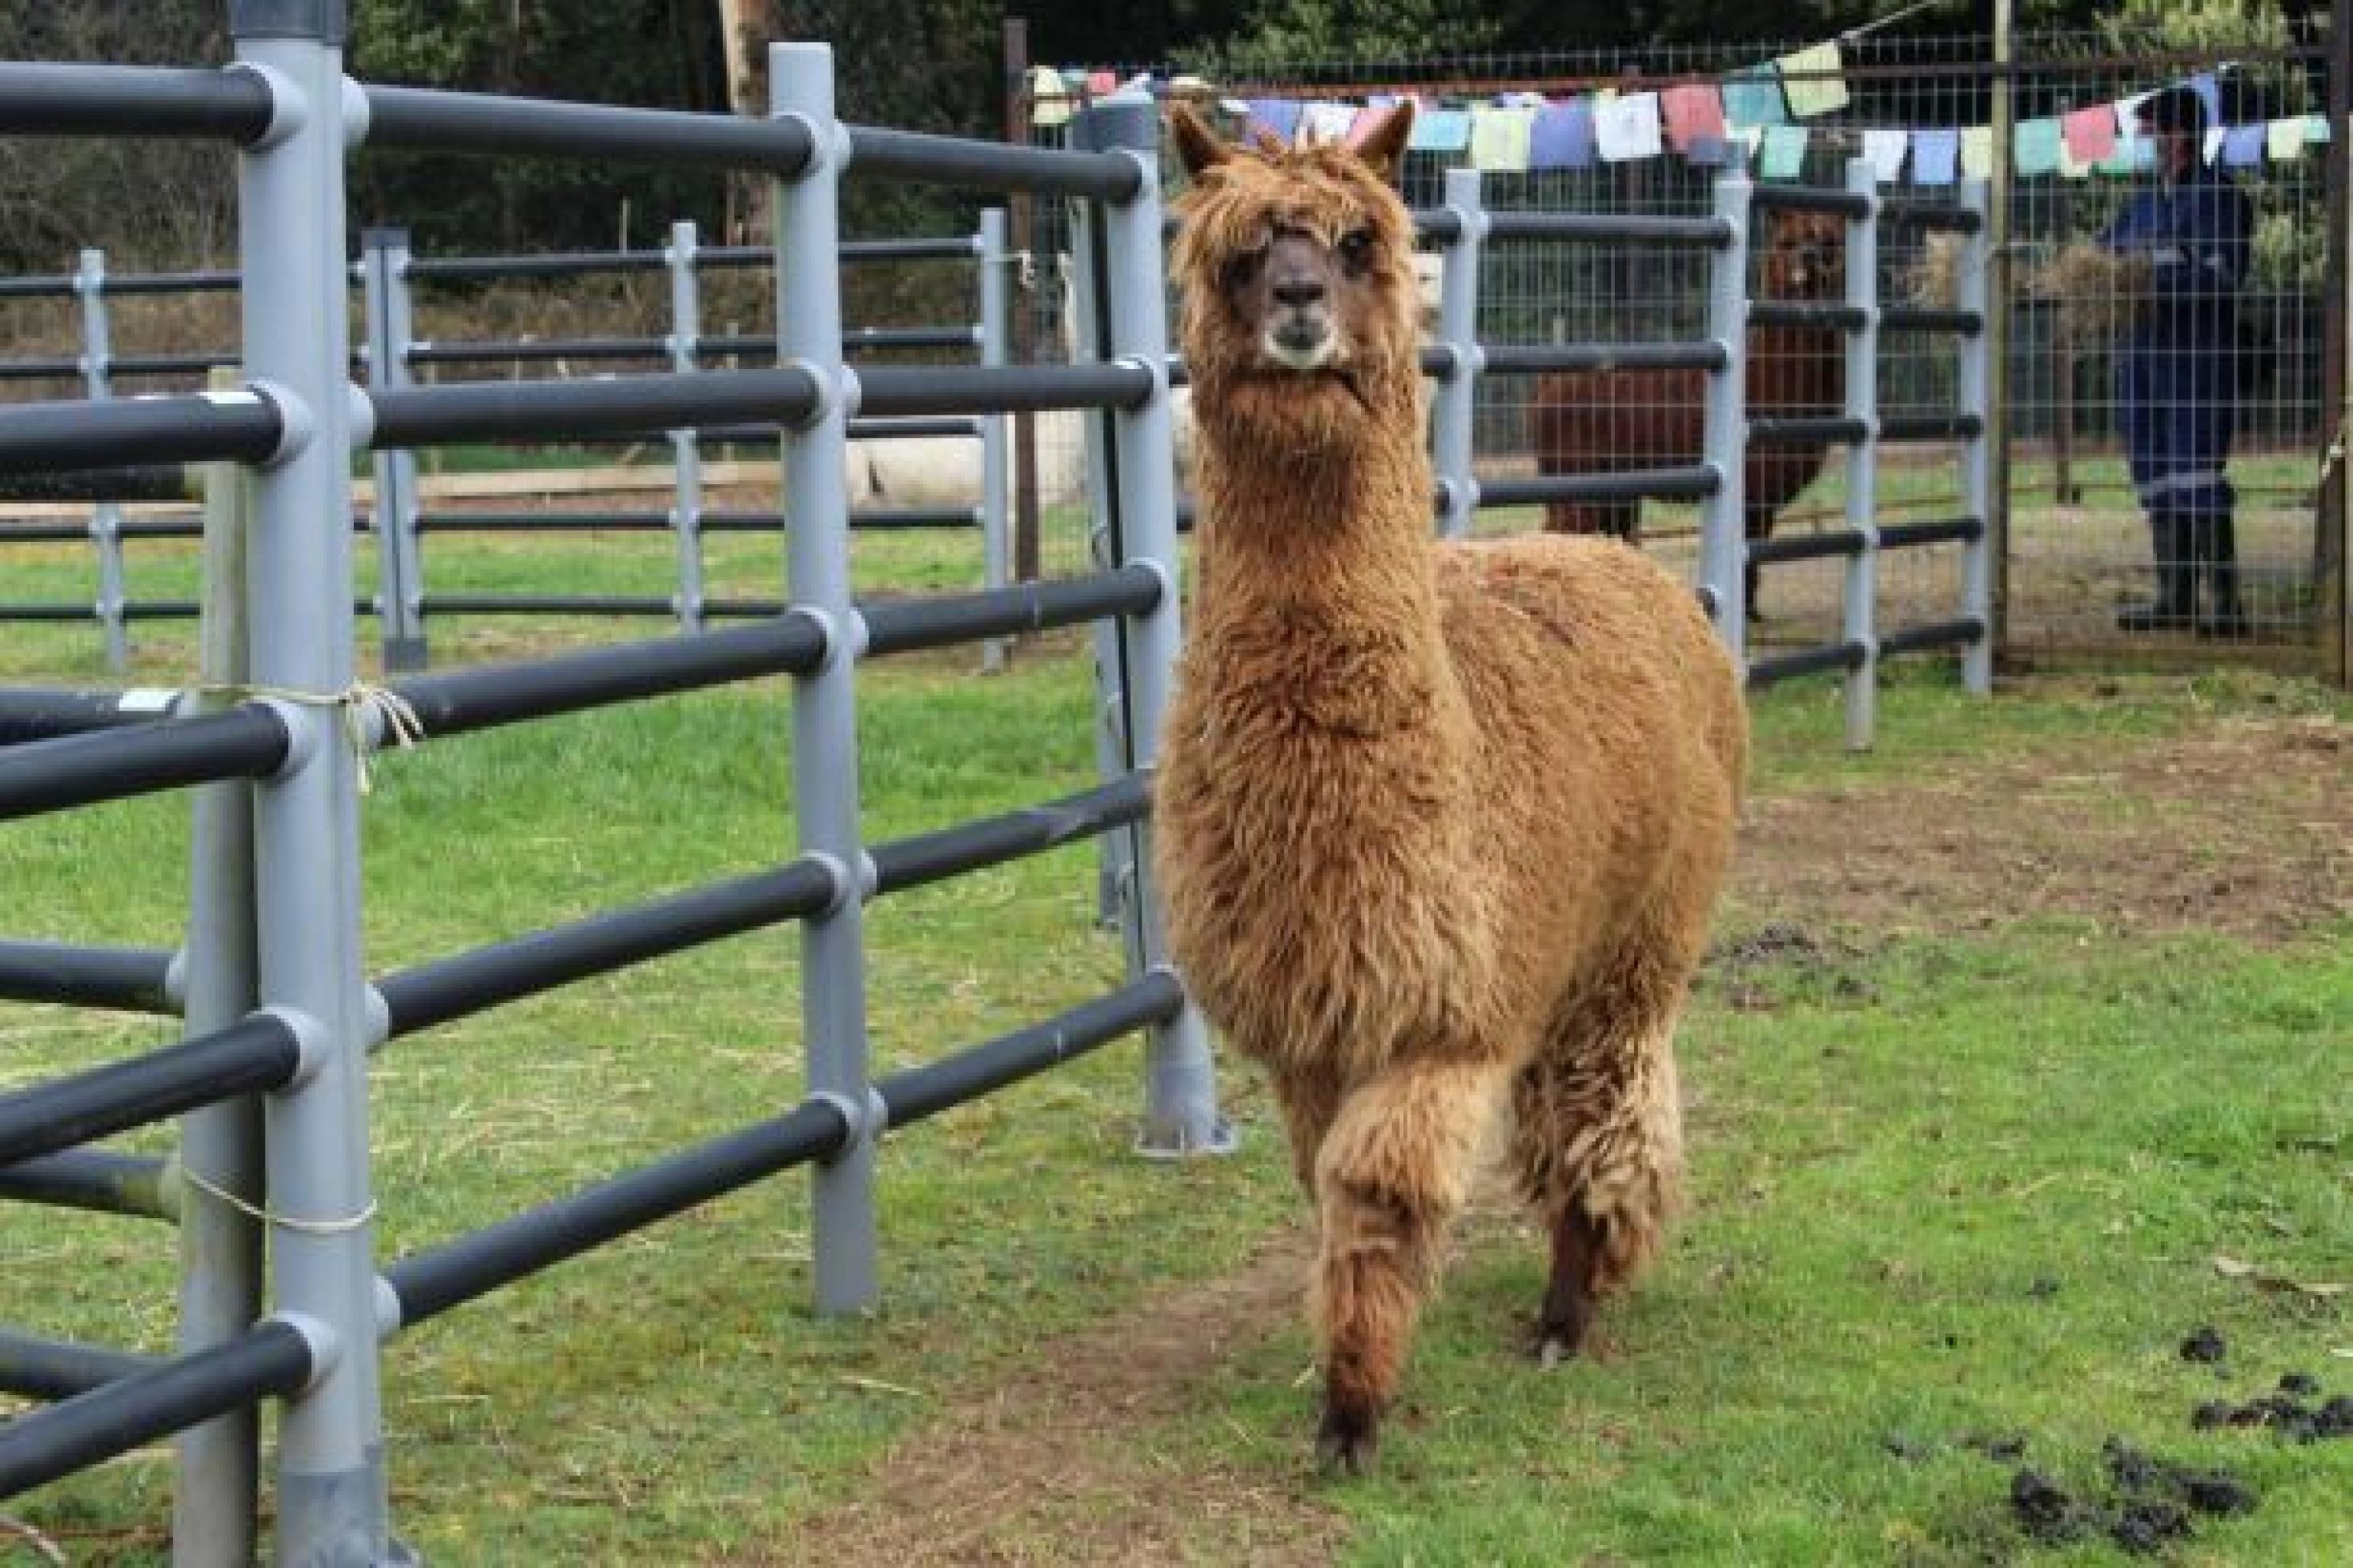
[2111,394]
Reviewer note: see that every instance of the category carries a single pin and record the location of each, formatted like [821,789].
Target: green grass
[1894,1143]
[1974,1196]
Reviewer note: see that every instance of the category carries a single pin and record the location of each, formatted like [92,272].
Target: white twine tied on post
[261,1216]
[394,715]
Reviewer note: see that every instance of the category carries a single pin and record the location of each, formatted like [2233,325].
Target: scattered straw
[40,1544]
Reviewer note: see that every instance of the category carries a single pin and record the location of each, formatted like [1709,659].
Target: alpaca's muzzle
[1301,340]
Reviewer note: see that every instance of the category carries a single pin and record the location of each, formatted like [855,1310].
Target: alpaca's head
[1298,275]
[1805,256]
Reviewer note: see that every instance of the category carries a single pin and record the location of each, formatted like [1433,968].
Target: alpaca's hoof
[1349,1439]
[1561,1331]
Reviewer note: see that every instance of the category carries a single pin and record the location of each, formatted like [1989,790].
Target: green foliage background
[933,65]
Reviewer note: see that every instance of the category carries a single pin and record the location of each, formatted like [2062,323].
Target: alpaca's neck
[1341,519]
[1315,577]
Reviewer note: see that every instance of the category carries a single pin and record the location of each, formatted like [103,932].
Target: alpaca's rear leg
[1395,1166]
[1570,1289]
[1599,1142]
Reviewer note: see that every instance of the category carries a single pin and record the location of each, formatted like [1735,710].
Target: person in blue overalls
[2178,376]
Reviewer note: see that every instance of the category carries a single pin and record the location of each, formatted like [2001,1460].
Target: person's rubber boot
[2176,605]
[2228,619]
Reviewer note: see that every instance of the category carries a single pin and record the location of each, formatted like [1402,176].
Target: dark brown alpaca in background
[1610,421]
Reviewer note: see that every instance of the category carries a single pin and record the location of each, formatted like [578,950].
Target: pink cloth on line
[2090,133]
[1693,114]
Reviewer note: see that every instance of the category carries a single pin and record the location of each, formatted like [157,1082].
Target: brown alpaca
[1608,421]
[1439,826]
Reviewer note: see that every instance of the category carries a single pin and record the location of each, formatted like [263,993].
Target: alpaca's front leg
[1395,1166]
[1309,1100]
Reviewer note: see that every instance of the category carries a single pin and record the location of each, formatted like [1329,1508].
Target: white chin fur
[1289,358]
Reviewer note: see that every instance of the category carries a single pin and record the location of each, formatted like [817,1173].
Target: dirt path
[1050,1470]
[2245,826]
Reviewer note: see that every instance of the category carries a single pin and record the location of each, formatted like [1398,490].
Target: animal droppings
[2146,1526]
[2043,1509]
[2216,1493]
[2128,1467]
[2149,1501]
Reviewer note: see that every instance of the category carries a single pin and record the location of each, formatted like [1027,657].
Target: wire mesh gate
[2073,543]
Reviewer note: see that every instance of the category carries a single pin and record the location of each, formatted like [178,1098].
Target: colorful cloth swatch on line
[2037,146]
[1278,116]
[2132,156]
[1561,137]
[1440,130]
[1324,122]
[1811,79]
[1977,152]
[2283,140]
[2242,147]
[2090,134]
[2210,93]
[1049,100]
[1884,150]
[1693,114]
[1626,128]
[1936,157]
[1753,97]
[1500,138]
[1784,152]
[2315,130]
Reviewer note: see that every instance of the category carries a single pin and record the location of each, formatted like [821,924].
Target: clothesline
[1755,115]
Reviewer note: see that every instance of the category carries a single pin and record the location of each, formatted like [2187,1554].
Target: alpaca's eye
[1242,266]
[1357,249]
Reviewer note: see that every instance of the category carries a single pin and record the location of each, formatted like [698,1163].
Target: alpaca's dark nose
[1299,292]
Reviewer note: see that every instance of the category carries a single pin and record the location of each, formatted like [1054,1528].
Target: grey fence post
[330,1495]
[1723,544]
[1453,437]
[106,517]
[215,1501]
[685,445]
[996,497]
[400,581]
[1859,622]
[1114,852]
[825,704]
[1974,386]
[1180,1105]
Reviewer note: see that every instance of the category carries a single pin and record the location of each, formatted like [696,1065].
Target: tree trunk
[747,28]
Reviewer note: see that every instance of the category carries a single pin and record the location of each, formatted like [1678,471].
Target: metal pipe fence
[1731,424]
[2049,118]
[394,354]
[292,1025]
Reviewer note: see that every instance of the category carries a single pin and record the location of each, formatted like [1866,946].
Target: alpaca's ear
[1379,139]
[1198,146]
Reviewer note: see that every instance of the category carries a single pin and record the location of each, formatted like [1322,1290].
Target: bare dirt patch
[1058,1466]
[2244,828]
